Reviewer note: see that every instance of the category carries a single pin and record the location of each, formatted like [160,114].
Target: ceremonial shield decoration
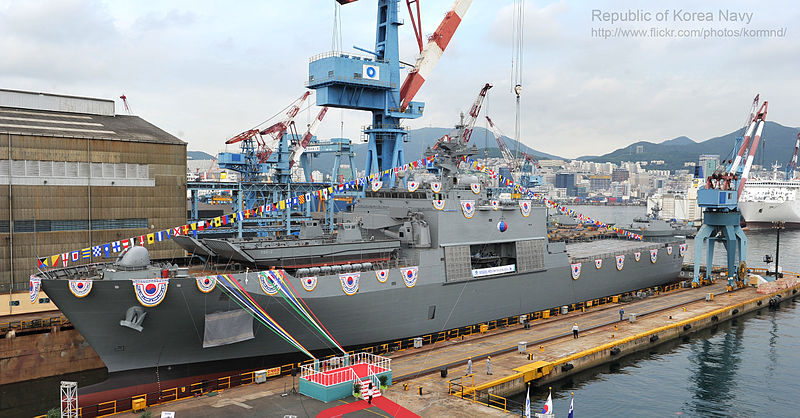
[502,226]
[468,208]
[576,271]
[150,292]
[376,185]
[266,283]
[495,204]
[382,275]
[206,284]
[525,207]
[598,263]
[669,250]
[409,276]
[620,261]
[80,288]
[476,188]
[653,255]
[412,186]
[682,250]
[637,255]
[349,283]
[35,285]
[436,186]
[438,204]
[309,283]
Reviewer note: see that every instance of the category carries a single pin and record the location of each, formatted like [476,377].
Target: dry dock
[552,354]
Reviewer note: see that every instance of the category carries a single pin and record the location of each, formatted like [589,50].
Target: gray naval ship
[497,264]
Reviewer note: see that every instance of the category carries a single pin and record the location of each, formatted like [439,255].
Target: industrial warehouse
[137,181]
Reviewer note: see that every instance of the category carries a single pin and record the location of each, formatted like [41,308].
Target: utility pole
[778,225]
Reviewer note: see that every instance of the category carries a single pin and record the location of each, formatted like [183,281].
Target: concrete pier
[552,354]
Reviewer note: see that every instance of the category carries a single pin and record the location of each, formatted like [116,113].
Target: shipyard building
[74,174]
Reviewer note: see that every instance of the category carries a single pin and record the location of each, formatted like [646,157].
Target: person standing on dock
[469,366]
[370,393]
[621,313]
[489,365]
[575,330]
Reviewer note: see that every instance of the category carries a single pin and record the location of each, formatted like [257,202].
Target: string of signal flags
[109,249]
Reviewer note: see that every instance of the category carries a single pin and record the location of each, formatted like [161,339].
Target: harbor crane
[269,138]
[526,169]
[719,199]
[791,167]
[501,144]
[467,126]
[372,82]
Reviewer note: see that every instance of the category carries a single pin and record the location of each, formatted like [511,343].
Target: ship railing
[335,370]
[616,253]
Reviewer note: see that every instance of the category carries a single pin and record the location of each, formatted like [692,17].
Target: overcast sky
[207,70]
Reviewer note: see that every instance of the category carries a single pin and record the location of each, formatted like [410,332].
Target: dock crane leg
[700,241]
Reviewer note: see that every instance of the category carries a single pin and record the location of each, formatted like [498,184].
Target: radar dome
[135,257]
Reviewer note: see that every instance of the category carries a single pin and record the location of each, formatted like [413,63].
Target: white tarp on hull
[228,327]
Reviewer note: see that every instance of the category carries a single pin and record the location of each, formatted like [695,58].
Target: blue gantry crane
[719,199]
[372,82]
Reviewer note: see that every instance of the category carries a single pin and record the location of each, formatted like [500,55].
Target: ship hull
[171,340]
[764,202]
[762,214]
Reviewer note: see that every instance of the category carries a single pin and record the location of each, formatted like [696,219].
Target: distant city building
[566,181]
[709,163]
[640,149]
[599,182]
[79,176]
[620,174]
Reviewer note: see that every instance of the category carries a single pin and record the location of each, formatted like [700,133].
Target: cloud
[212,70]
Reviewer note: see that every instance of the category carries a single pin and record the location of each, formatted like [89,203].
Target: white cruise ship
[765,201]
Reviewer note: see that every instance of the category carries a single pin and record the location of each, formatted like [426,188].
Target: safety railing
[35,324]
[332,370]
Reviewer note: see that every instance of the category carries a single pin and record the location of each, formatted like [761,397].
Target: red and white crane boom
[268,138]
[432,51]
[760,119]
[501,144]
[301,145]
[467,126]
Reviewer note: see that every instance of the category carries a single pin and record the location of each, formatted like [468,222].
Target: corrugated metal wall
[163,205]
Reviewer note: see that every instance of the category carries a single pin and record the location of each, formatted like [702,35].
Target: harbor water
[746,367]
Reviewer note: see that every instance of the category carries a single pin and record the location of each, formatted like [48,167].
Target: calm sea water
[745,368]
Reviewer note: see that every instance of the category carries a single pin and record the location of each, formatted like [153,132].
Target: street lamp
[777,225]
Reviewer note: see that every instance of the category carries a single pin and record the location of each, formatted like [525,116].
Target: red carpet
[340,410]
[381,402]
[392,408]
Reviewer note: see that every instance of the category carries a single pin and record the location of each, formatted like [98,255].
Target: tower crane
[719,200]
[791,167]
[467,126]
[303,142]
[268,138]
[373,83]
[501,144]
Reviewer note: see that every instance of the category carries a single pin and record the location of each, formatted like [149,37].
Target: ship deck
[603,248]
